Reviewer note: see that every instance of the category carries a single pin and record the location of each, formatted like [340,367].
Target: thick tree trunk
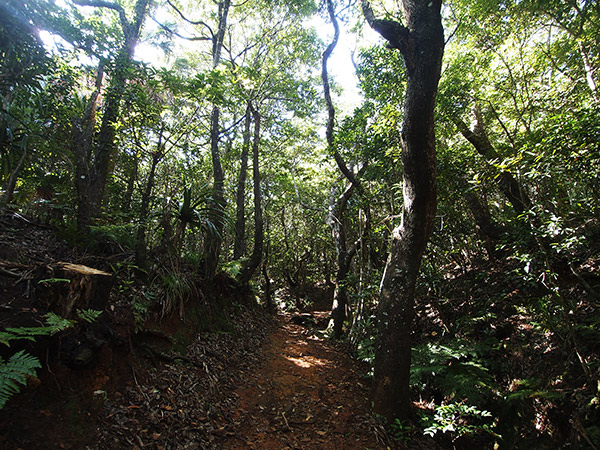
[421,43]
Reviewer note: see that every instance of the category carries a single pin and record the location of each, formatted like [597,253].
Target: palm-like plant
[195,213]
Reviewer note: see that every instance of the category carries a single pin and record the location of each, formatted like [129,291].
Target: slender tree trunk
[489,230]
[508,184]
[11,182]
[254,261]
[239,246]
[336,220]
[133,175]
[213,243]
[421,43]
[140,242]
[337,210]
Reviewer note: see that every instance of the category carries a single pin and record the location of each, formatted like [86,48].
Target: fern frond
[88,315]
[14,373]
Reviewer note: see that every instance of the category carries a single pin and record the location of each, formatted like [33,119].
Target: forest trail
[306,394]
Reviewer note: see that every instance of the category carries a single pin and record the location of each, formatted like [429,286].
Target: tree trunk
[507,183]
[213,243]
[131,179]
[489,229]
[95,164]
[140,242]
[337,210]
[11,183]
[239,246]
[254,261]
[421,43]
[82,137]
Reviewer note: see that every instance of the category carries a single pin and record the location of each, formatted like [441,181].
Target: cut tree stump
[60,287]
[87,288]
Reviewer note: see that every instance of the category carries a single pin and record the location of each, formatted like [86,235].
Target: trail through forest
[306,394]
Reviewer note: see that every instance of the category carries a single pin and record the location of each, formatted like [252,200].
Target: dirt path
[305,395]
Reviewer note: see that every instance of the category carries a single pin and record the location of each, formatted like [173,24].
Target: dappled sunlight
[306,362]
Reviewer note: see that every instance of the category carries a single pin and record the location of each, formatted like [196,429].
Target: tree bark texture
[421,43]
[336,220]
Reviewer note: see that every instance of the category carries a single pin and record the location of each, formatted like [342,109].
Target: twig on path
[286,421]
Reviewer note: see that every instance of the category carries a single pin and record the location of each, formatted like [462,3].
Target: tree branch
[106,4]
[175,33]
[395,33]
[192,22]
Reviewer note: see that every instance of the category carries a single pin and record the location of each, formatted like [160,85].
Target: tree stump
[87,288]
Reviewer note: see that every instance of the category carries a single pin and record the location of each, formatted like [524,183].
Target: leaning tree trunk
[507,183]
[421,43]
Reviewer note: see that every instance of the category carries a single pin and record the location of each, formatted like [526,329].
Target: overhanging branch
[105,4]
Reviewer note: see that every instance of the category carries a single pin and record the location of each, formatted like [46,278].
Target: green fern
[14,372]
[55,323]
[88,315]
[456,369]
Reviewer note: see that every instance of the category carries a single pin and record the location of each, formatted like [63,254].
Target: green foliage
[458,419]
[456,369]
[141,307]
[54,280]
[14,372]
[531,388]
[365,340]
[54,322]
[88,315]
[175,290]
[401,431]
[115,235]
[233,268]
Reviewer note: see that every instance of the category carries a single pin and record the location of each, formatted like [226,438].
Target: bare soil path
[306,394]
